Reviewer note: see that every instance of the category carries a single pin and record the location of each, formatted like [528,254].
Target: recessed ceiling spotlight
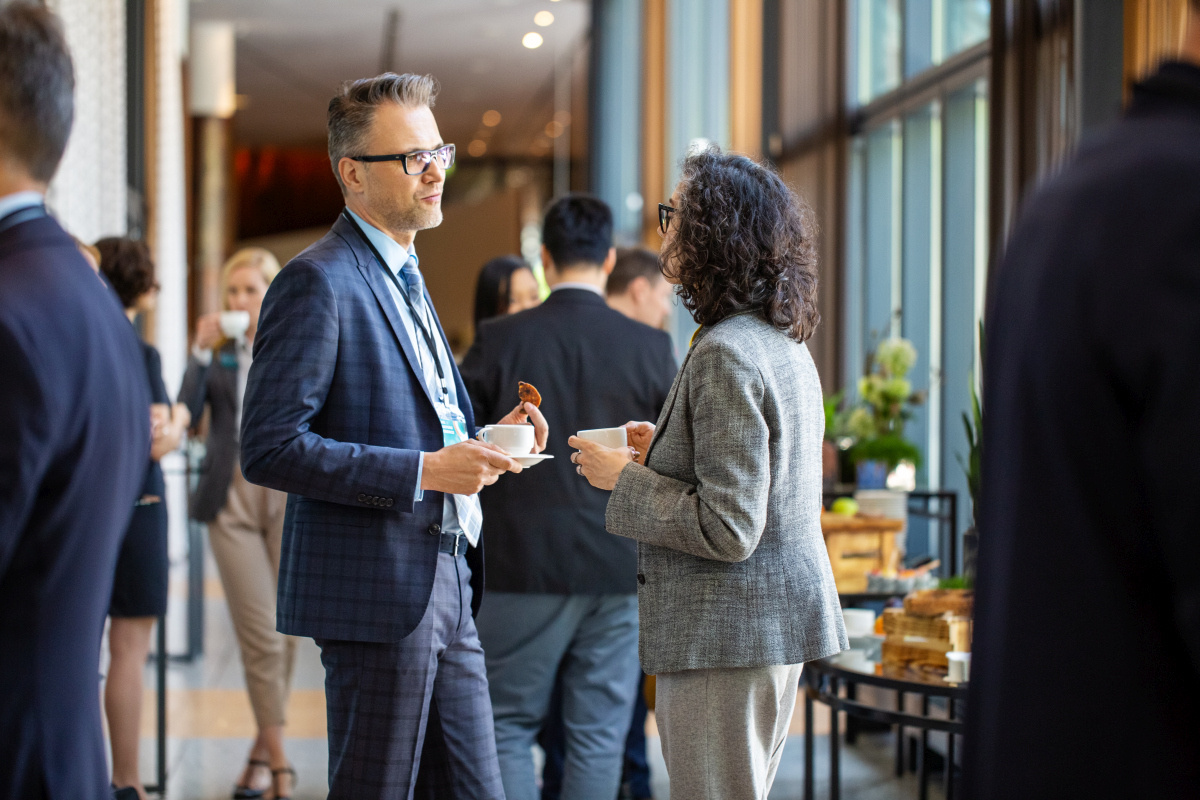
[543,18]
[532,40]
[491,118]
[554,129]
[477,147]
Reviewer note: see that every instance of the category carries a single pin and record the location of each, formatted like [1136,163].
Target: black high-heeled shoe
[246,792]
[275,773]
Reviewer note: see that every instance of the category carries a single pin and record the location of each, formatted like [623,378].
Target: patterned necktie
[412,279]
[467,508]
[470,515]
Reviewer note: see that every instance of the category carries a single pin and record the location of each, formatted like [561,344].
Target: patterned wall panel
[88,194]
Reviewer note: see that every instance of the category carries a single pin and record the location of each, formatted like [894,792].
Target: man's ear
[351,172]
[639,289]
[610,261]
[548,262]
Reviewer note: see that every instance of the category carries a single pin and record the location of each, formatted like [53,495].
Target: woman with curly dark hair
[723,496]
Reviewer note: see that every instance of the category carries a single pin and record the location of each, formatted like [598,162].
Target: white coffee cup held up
[609,437]
[516,440]
[234,324]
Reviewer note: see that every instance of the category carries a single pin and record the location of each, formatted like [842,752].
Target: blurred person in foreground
[74,402]
[505,285]
[139,594]
[638,289]
[356,409]
[735,590]
[1085,680]
[561,593]
[245,522]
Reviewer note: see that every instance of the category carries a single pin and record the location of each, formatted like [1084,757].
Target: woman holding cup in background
[735,590]
[245,522]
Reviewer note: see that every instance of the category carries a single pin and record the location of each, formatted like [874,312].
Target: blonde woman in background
[245,522]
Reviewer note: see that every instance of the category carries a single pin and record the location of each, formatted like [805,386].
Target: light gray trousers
[723,730]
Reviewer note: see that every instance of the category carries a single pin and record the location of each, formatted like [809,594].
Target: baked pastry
[528,393]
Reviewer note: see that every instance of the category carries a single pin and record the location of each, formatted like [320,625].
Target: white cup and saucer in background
[516,440]
[234,324]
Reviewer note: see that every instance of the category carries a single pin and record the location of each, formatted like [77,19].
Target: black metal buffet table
[834,682]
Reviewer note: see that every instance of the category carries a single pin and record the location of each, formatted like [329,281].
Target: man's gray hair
[352,110]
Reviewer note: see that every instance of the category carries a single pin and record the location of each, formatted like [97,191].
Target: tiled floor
[209,728]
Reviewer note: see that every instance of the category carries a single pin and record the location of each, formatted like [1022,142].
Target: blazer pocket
[319,512]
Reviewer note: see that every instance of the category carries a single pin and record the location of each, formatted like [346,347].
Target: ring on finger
[579,470]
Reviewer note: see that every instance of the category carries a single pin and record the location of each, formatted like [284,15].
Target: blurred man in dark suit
[638,289]
[75,440]
[1086,669]
[562,595]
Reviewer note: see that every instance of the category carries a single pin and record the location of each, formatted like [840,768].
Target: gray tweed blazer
[732,566]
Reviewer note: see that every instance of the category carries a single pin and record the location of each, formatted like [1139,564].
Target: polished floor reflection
[209,726]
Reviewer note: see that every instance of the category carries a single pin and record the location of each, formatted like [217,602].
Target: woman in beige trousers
[245,522]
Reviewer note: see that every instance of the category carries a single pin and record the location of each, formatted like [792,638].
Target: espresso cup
[516,440]
[234,324]
[609,437]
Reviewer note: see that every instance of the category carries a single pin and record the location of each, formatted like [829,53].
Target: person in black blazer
[1085,677]
[76,435]
[140,584]
[560,590]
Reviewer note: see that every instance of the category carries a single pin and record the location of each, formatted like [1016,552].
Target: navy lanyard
[425,332]
[22,215]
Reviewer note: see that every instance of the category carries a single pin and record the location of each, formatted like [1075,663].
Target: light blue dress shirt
[16,201]
[396,256]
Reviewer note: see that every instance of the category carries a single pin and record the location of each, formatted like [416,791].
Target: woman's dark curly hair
[128,266]
[743,241]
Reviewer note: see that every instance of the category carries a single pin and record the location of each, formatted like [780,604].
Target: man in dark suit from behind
[75,443]
[1086,669]
[560,593]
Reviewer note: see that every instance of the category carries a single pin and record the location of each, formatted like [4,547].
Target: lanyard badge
[454,424]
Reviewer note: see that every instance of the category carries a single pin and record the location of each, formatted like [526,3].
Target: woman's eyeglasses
[418,162]
[664,217]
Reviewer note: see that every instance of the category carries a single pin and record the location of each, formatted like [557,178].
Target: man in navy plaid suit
[354,407]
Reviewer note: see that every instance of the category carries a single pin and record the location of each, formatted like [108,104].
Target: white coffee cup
[609,437]
[859,621]
[234,324]
[516,440]
[959,669]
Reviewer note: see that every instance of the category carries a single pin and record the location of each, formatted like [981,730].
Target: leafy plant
[835,422]
[887,401]
[973,464]
[956,582]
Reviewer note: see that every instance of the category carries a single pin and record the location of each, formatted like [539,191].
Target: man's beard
[414,218]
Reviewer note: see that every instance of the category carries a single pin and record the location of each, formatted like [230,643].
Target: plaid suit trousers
[418,704]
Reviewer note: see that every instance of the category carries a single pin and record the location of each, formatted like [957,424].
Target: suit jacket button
[362,498]
[389,502]
[435,529]
[641,578]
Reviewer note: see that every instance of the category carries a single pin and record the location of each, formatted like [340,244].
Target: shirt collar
[393,254]
[11,203]
[577,285]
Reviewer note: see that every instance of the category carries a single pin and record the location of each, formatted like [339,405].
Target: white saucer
[530,460]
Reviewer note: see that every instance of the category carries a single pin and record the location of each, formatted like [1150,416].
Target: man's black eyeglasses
[417,162]
[664,217]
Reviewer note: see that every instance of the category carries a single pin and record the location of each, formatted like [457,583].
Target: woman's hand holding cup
[208,331]
[601,465]
[639,435]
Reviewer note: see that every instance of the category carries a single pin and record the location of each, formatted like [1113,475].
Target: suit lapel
[668,406]
[372,273]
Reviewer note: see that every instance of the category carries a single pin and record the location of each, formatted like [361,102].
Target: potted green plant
[972,466]
[887,399]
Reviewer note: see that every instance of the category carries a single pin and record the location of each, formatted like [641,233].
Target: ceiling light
[491,118]
[532,40]
[554,129]
[477,147]
[543,18]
